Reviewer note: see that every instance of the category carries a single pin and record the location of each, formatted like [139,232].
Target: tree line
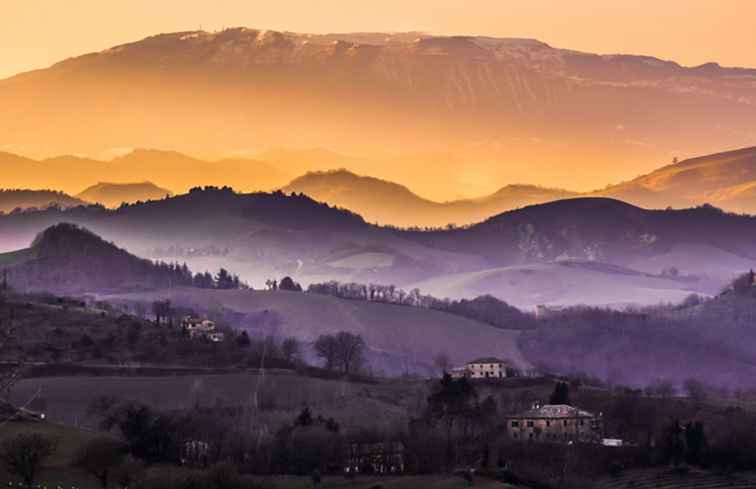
[486,308]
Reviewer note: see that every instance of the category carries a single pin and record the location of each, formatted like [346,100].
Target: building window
[548,423]
[530,424]
[515,424]
[565,422]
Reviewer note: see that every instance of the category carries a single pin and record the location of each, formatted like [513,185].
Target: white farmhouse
[488,368]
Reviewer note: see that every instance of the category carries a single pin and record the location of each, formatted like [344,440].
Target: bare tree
[350,351]
[327,349]
[290,349]
[24,454]
[442,362]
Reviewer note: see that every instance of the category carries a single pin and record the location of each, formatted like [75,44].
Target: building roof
[551,411]
[488,360]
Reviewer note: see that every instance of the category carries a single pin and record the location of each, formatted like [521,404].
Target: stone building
[558,423]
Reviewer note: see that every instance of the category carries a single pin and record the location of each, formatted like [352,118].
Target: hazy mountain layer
[385,202]
[173,170]
[11,200]
[115,194]
[513,108]
[261,236]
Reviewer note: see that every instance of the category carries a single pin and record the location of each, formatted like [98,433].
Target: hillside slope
[727,180]
[402,338]
[68,259]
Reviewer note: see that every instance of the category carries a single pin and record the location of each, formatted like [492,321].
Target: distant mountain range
[176,171]
[507,108]
[385,202]
[115,194]
[727,180]
[583,250]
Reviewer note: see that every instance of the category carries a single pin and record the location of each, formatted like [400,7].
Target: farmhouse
[488,368]
[202,328]
[555,423]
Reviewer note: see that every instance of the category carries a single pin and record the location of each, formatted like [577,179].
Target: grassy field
[411,336]
[57,471]
[525,286]
[280,396]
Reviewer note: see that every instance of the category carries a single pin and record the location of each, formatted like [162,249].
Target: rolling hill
[176,171]
[727,180]
[562,283]
[268,235]
[401,338]
[68,259]
[115,194]
[507,107]
[389,203]
[11,200]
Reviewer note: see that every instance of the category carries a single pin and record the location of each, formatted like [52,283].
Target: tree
[350,350]
[452,400]
[161,310]
[695,442]
[290,349]
[243,341]
[327,349]
[561,394]
[24,454]
[442,362]
[287,283]
[99,457]
[696,390]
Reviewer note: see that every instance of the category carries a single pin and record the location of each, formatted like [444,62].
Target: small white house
[203,328]
[487,368]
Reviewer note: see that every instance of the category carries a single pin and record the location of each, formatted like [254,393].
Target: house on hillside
[557,423]
[202,328]
[489,368]
[375,458]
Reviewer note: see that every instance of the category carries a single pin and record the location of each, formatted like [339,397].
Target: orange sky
[36,33]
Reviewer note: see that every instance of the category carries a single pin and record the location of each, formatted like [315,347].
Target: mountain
[66,258]
[115,194]
[510,108]
[178,172]
[13,199]
[584,250]
[389,203]
[727,180]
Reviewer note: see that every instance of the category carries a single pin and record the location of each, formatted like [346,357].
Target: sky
[37,33]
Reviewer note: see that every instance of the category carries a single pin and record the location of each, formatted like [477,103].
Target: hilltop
[13,199]
[385,202]
[115,194]
[66,258]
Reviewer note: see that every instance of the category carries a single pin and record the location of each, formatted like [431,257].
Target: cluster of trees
[343,351]
[286,283]
[485,308]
